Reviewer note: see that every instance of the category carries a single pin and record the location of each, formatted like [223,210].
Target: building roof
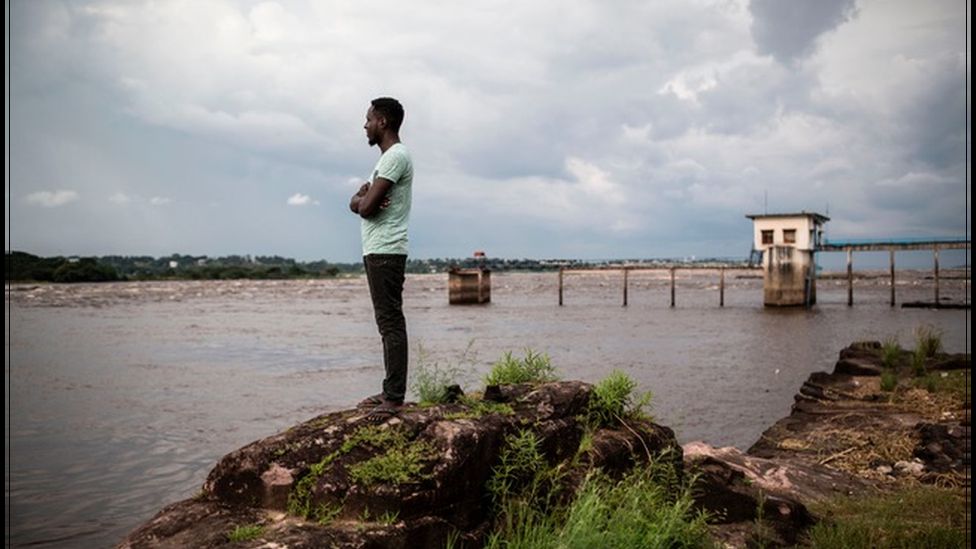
[819,218]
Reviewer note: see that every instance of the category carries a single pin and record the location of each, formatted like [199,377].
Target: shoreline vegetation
[874,454]
[22,267]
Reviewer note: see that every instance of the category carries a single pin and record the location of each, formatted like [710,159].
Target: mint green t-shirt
[386,232]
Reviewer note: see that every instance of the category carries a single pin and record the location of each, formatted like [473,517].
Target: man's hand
[363,189]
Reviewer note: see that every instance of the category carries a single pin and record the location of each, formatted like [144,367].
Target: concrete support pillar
[891,260]
[850,277]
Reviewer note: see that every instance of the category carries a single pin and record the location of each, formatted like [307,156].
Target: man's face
[372,127]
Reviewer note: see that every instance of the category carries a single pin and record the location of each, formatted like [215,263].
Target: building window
[789,236]
[767,237]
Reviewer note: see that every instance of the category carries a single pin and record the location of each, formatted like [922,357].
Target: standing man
[383,203]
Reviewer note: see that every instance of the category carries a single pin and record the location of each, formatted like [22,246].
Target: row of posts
[891,261]
[721,285]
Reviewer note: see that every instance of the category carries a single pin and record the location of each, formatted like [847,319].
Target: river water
[121,397]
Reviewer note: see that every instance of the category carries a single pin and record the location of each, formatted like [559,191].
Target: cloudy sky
[538,129]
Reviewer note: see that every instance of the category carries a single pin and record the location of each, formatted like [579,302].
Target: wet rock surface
[844,436]
[305,487]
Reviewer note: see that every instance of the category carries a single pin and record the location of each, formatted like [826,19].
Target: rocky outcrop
[412,481]
[844,435]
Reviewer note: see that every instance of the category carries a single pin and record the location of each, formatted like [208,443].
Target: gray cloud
[789,29]
[572,129]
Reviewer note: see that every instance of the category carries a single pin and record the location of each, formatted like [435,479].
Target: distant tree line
[23,267]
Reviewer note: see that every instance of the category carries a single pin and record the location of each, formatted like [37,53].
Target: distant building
[788,242]
[174,264]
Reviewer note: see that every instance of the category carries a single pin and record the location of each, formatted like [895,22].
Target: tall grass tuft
[928,340]
[614,400]
[635,511]
[889,380]
[890,352]
[533,368]
[431,379]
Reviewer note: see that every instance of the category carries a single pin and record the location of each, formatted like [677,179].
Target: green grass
[247,532]
[477,408]
[401,461]
[522,471]
[636,511]
[918,516]
[614,400]
[430,380]
[890,353]
[955,382]
[889,380]
[300,498]
[928,341]
[918,362]
[532,368]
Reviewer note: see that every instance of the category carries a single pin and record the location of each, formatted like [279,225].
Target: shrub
[533,368]
[614,400]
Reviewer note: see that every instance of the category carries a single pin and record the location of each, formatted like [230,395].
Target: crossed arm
[371,198]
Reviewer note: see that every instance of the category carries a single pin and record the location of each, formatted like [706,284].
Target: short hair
[390,109]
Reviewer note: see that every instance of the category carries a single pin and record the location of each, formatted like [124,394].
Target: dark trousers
[385,274]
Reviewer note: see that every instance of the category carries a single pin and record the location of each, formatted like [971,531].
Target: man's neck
[388,141]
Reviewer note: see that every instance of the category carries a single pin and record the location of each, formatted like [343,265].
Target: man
[383,202]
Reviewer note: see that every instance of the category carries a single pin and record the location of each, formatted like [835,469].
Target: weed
[477,408]
[918,362]
[889,380]
[614,400]
[533,368]
[389,518]
[521,469]
[636,511]
[890,352]
[928,341]
[402,463]
[954,382]
[245,533]
[432,379]
[300,498]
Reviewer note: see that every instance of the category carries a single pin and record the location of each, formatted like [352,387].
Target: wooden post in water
[891,257]
[672,287]
[626,270]
[721,288]
[936,254]
[850,277]
[560,286]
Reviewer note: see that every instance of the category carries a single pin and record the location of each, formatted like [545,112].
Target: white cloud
[299,199]
[120,198]
[52,199]
[160,200]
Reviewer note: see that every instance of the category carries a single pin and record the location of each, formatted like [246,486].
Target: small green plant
[389,518]
[247,532]
[928,341]
[521,469]
[432,379]
[889,380]
[918,362]
[636,511]
[614,400]
[477,408]
[890,352]
[402,463]
[533,368]
[300,498]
